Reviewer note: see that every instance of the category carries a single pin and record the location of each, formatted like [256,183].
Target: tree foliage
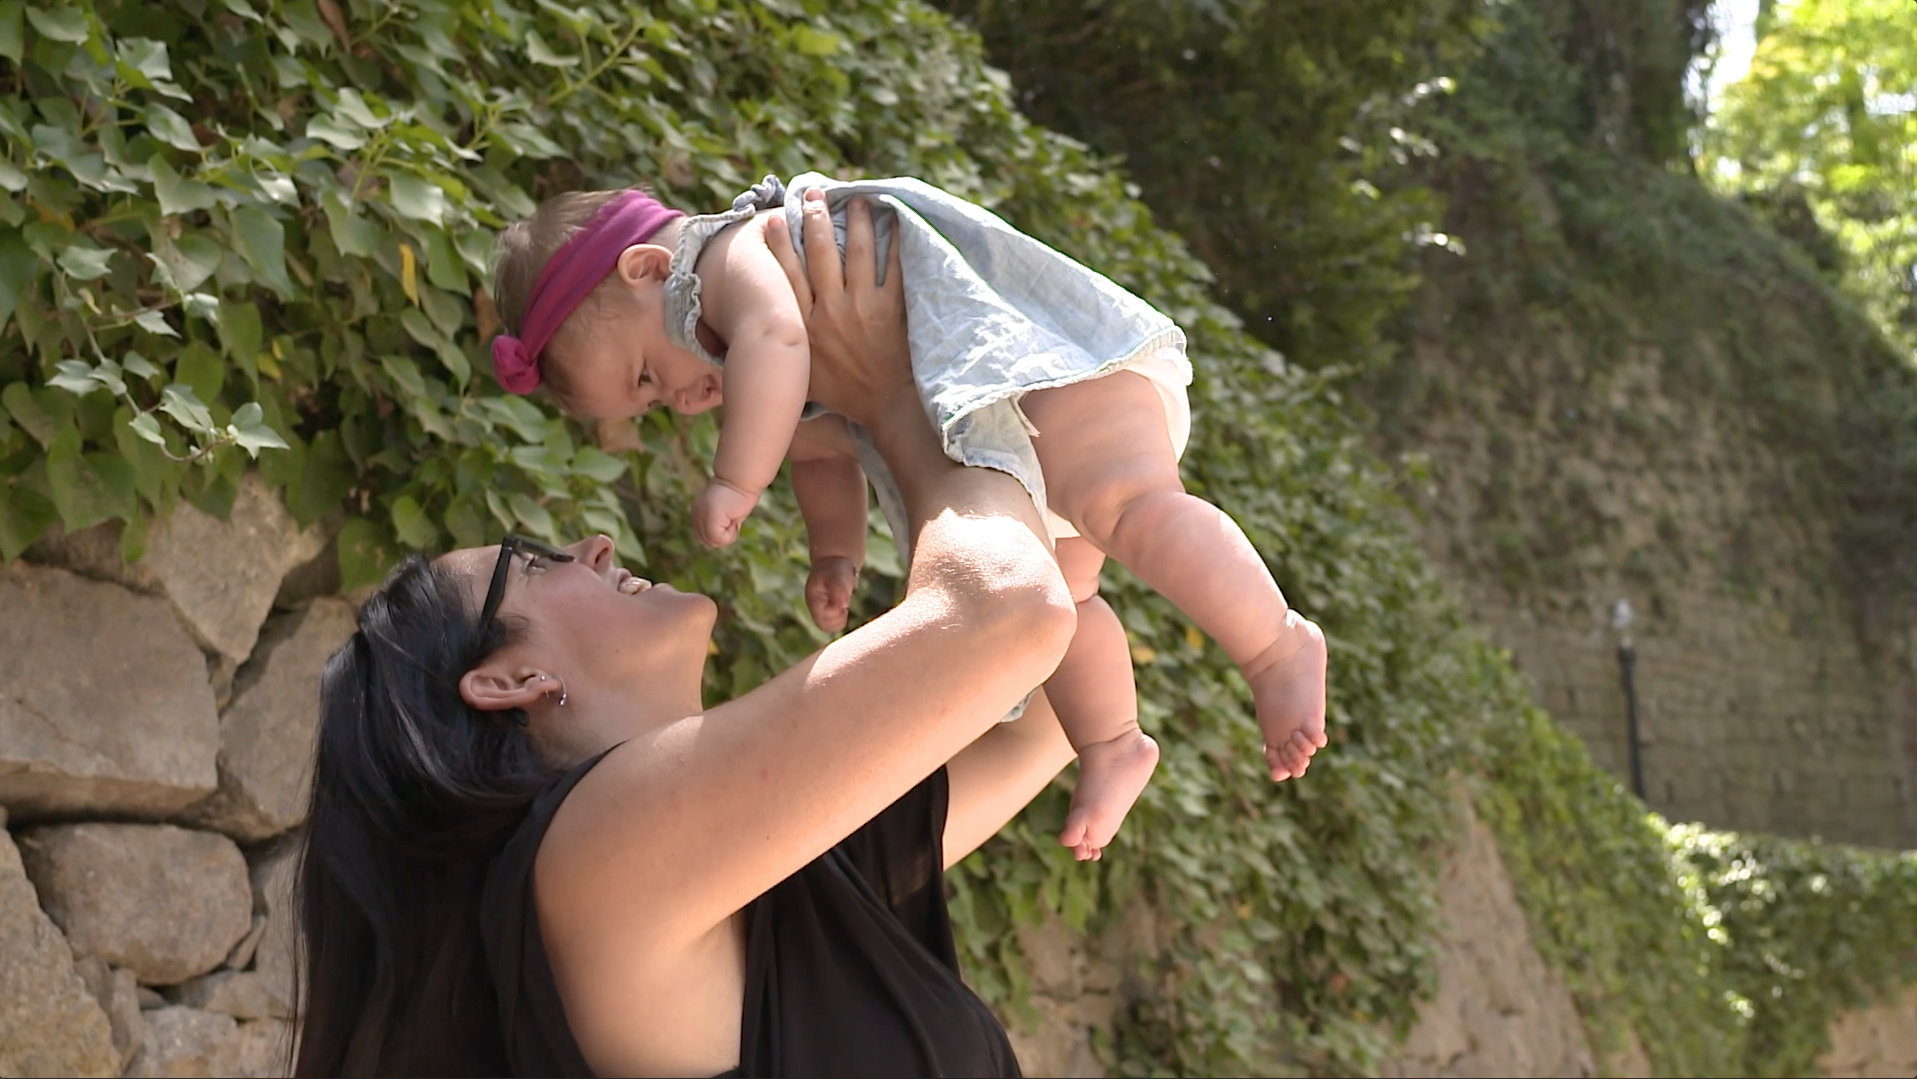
[1821,135]
[1265,133]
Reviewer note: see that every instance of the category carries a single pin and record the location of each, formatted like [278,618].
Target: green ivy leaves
[233,219]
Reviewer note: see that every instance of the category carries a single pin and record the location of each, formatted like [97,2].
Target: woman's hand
[861,363]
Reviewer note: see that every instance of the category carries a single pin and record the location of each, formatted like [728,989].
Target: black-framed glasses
[509,546]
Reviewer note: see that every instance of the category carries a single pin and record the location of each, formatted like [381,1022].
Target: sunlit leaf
[148,428]
[411,524]
[147,58]
[421,200]
[177,194]
[74,376]
[171,128]
[261,240]
[541,53]
[60,23]
[330,130]
[155,322]
[83,262]
[181,403]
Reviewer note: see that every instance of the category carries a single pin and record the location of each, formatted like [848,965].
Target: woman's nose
[594,552]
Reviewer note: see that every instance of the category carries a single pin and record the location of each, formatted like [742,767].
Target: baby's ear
[644,263]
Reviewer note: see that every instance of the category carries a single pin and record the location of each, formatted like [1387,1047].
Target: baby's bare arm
[829,486]
[749,303]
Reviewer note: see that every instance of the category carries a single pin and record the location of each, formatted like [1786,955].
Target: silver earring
[562,691]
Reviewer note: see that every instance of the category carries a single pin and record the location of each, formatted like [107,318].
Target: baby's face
[624,365]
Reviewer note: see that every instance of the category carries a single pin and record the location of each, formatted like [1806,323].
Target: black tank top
[850,966]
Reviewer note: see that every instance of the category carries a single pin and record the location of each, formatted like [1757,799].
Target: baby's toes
[1301,748]
[1290,758]
[1276,763]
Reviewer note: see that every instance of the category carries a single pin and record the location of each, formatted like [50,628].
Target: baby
[1027,362]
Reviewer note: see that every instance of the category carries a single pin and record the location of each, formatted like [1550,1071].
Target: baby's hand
[719,511]
[828,591]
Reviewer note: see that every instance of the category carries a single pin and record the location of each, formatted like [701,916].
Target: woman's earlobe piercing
[562,691]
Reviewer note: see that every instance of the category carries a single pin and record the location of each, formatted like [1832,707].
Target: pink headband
[632,217]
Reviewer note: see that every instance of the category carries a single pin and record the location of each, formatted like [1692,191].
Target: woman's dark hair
[413,792]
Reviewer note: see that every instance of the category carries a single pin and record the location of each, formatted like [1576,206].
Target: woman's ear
[644,264]
[492,688]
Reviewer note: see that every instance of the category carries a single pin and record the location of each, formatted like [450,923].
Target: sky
[1736,23]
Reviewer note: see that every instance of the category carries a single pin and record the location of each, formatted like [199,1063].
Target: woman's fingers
[894,287]
[861,259]
[779,239]
[828,277]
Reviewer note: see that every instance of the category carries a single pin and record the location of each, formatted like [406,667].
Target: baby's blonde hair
[520,254]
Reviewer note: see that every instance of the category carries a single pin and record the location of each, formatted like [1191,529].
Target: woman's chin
[697,603]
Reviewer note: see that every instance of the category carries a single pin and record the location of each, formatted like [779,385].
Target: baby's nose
[699,396]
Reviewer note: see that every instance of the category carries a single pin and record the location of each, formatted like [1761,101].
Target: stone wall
[156,727]
[1876,1043]
[1498,1010]
[1560,481]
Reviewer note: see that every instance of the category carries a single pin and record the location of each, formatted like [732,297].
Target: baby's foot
[1110,776]
[1288,691]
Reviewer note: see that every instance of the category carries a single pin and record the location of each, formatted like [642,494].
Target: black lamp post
[1626,662]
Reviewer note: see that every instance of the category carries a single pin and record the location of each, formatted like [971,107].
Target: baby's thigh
[1101,442]
[1079,563]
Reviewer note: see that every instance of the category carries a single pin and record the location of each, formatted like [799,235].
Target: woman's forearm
[979,549]
[932,483]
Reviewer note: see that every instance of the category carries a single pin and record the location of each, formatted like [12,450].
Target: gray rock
[164,902]
[92,552]
[118,994]
[266,734]
[104,704]
[49,1023]
[151,999]
[221,576]
[241,956]
[242,994]
[186,1042]
[183,1041]
[263,1049]
[273,879]
[1498,1010]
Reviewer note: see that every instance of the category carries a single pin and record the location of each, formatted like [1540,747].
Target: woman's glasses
[508,547]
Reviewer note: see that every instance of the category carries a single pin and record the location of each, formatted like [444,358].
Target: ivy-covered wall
[231,223]
[228,203]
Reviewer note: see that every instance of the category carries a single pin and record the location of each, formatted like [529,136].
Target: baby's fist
[719,511]
[828,591]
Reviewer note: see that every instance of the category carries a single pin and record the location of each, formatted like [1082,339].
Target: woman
[532,850]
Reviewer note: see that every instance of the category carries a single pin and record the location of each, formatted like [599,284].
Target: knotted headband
[632,217]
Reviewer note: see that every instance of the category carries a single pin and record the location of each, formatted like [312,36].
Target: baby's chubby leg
[1092,693]
[1109,469]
